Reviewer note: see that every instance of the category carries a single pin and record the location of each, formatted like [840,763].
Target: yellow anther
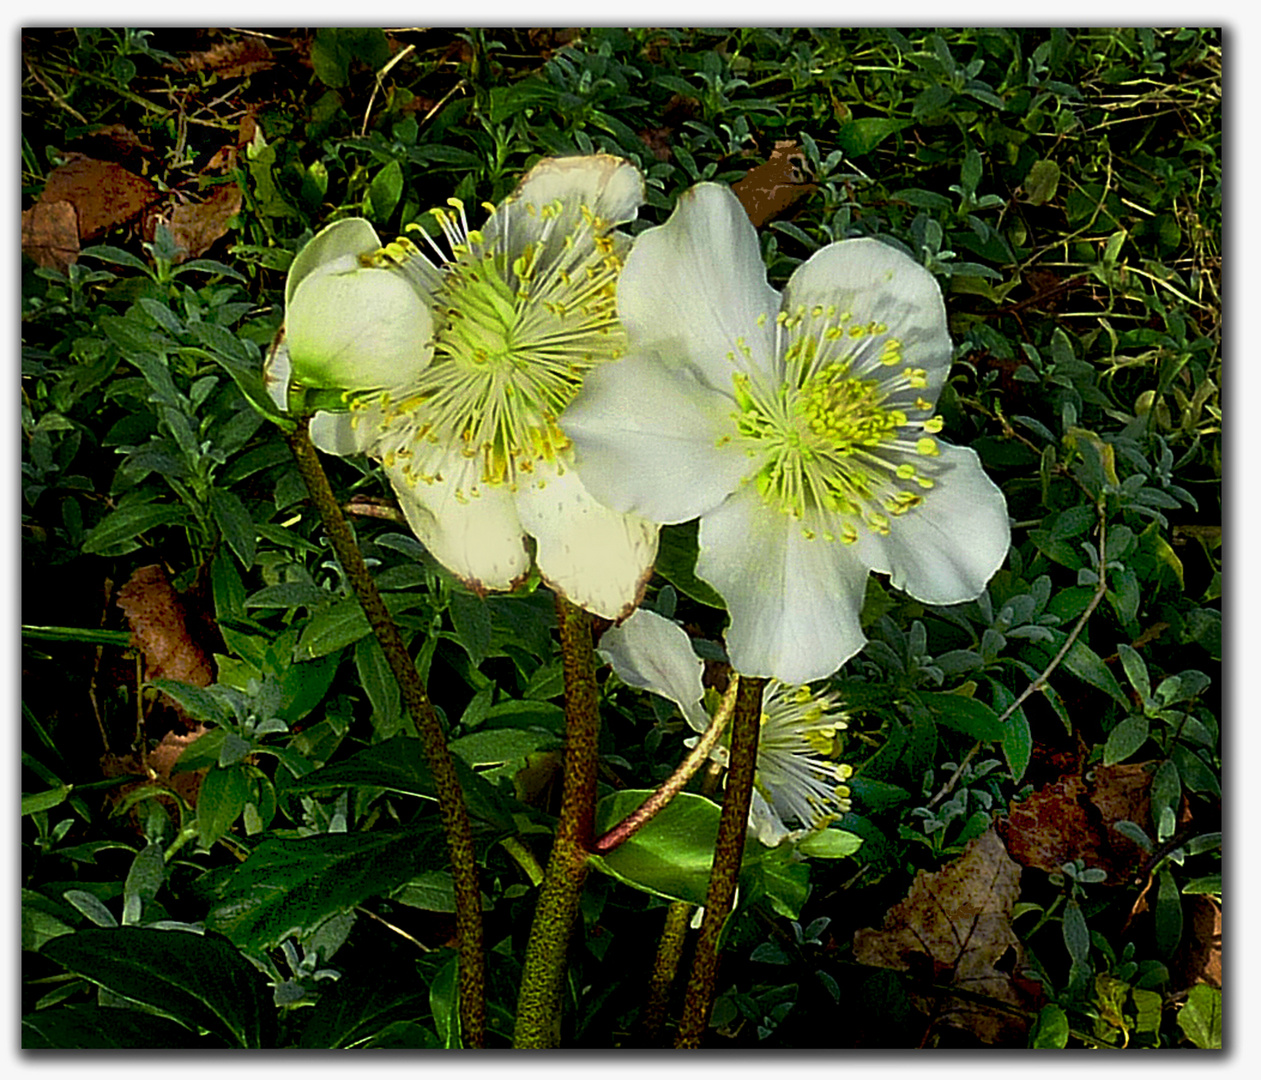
[934,425]
[927,447]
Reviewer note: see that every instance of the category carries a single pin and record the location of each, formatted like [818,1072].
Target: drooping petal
[649,439]
[598,558]
[876,283]
[347,433]
[478,539]
[793,602]
[356,328]
[276,375]
[696,288]
[947,548]
[610,189]
[350,236]
[652,653]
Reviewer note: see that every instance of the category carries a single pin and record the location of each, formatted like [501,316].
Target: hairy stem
[728,850]
[539,1004]
[451,806]
[666,964]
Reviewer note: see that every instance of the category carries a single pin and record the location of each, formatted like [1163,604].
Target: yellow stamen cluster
[517,326]
[845,441]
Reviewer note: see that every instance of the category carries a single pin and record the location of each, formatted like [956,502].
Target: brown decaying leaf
[196,226]
[50,234]
[1199,956]
[103,194]
[956,924]
[766,191]
[1075,819]
[159,628]
[233,59]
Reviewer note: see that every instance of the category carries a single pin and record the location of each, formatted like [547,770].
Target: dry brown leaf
[1199,956]
[1051,827]
[230,60]
[159,628]
[50,234]
[196,226]
[955,926]
[766,191]
[103,194]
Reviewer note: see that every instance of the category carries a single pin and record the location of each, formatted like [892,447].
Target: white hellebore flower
[458,371]
[799,428]
[794,780]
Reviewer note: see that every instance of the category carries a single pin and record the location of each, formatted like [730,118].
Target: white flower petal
[350,236]
[947,548]
[479,540]
[351,327]
[877,283]
[793,602]
[696,286]
[764,823]
[598,558]
[652,653]
[276,375]
[346,433]
[646,439]
[610,188]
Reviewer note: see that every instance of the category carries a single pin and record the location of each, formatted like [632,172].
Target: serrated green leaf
[199,981]
[235,523]
[289,887]
[97,1027]
[1085,663]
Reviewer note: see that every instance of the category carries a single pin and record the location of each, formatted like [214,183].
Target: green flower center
[834,451]
[518,325]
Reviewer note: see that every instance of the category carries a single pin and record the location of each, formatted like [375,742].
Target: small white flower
[458,371]
[798,428]
[794,779]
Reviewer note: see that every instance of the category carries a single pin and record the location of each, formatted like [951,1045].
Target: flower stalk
[542,979]
[728,852]
[451,805]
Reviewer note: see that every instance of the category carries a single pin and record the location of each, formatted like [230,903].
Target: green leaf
[1135,671]
[331,628]
[1085,663]
[1042,181]
[444,1003]
[399,764]
[221,800]
[1125,739]
[96,1027]
[1168,912]
[966,715]
[862,136]
[355,1010]
[235,523]
[385,190]
[45,800]
[1050,1032]
[1201,1017]
[471,618]
[829,844]
[1076,933]
[289,887]
[676,562]
[199,981]
[335,48]
[671,856]
[127,522]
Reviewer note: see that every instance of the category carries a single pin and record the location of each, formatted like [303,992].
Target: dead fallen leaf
[50,234]
[162,759]
[103,194]
[1051,827]
[1199,956]
[230,60]
[766,191]
[196,226]
[955,926]
[159,628]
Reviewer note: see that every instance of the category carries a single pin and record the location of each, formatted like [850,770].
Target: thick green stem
[451,806]
[666,964]
[539,1004]
[733,827]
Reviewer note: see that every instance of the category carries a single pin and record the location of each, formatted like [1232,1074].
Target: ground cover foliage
[229,836]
